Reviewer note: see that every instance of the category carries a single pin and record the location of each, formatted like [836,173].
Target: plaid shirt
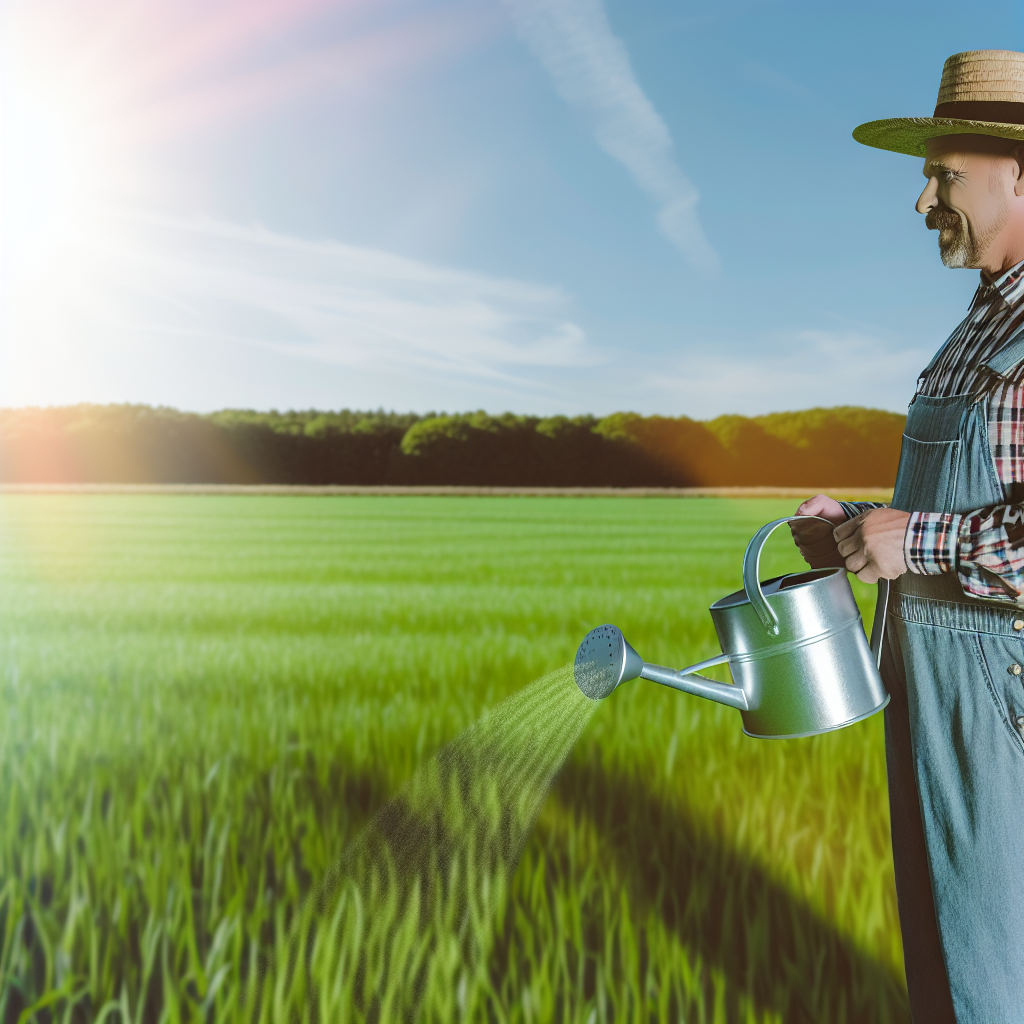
[985,547]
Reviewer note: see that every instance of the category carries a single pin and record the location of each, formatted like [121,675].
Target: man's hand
[872,544]
[814,538]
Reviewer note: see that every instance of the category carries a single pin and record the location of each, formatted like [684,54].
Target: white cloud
[147,279]
[591,70]
[201,314]
[797,371]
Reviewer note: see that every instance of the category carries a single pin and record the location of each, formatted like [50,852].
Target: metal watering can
[795,646]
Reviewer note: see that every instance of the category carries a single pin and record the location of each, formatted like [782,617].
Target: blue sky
[534,205]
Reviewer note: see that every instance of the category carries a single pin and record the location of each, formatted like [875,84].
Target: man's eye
[950,176]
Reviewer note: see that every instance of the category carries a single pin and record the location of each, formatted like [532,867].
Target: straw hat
[981,93]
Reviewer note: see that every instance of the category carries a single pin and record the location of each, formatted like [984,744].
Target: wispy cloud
[591,70]
[150,278]
[798,370]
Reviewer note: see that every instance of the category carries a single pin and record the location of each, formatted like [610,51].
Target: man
[952,542]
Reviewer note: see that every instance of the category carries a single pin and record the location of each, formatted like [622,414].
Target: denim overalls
[953,734]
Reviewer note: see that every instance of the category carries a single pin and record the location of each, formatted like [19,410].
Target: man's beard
[956,246]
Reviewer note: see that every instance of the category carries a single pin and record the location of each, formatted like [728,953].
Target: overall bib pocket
[926,479]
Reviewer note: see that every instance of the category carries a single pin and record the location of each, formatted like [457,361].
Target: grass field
[203,700]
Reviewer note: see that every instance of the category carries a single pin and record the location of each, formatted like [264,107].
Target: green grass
[203,700]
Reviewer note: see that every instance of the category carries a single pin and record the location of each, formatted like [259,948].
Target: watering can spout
[605,659]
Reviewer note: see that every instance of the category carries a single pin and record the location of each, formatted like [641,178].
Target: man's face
[968,196]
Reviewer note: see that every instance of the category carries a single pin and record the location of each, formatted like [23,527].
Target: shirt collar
[1008,287]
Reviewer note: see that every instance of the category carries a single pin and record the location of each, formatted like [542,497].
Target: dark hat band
[981,110]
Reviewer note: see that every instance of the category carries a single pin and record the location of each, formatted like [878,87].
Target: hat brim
[908,135]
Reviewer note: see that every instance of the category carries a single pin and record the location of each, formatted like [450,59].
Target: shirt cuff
[930,543]
[855,508]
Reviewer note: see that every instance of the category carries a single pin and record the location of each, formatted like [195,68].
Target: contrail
[591,70]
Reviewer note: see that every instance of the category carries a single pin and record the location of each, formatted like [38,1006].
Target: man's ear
[1018,154]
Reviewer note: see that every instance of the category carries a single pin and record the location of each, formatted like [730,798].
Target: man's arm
[984,548]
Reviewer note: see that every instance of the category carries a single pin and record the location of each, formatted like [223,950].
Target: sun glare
[116,111]
[57,158]
[63,159]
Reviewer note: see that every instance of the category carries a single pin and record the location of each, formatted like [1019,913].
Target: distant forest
[845,446]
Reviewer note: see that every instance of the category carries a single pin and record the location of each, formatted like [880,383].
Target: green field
[206,698]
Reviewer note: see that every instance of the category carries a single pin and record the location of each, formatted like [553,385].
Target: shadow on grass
[769,944]
[772,950]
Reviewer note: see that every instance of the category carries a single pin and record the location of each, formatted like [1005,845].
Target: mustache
[942,218]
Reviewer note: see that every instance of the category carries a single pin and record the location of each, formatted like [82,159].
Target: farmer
[952,542]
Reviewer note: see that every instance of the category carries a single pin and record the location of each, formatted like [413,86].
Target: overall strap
[1008,359]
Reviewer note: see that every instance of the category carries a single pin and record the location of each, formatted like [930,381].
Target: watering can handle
[752,569]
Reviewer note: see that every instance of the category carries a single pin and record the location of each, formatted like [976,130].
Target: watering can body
[795,645]
[817,673]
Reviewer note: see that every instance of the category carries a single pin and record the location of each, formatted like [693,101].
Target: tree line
[844,446]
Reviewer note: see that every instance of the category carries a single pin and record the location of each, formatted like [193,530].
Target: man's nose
[929,198]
